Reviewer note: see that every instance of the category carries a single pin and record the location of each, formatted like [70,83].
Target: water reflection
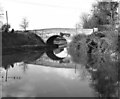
[10,60]
[42,76]
[28,57]
[102,72]
[51,54]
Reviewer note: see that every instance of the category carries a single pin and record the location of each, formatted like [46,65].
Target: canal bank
[22,41]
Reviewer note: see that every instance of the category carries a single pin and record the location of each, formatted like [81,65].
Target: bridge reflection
[30,56]
[9,60]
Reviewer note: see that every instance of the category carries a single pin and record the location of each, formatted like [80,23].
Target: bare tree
[85,19]
[24,24]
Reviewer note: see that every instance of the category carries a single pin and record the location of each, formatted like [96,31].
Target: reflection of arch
[51,55]
[50,40]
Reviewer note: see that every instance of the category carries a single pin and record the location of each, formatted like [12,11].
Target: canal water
[46,74]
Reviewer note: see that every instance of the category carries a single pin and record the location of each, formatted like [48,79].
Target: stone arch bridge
[45,34]
[49,38]
[50,34]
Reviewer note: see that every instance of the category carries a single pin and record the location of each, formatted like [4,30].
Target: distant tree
[24,24]
[89,22]
[85,19]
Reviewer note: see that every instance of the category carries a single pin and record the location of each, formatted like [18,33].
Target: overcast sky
[46,13]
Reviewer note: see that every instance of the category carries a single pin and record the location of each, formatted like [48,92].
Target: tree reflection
[9,61]
[24,67]
[26,57]
[6,77]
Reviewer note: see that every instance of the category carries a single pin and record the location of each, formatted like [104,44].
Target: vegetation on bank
[105,41]
[14,39]
[99,53]
[105,18]
[98,43]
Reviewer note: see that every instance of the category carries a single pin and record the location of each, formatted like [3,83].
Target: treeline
[104,16]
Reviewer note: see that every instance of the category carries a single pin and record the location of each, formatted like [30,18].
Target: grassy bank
[10,40]
[21,41]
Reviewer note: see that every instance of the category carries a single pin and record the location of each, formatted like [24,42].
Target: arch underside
[50,44]
[50,40]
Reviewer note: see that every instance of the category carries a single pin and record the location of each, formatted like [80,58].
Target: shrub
[78,49]
[81,45]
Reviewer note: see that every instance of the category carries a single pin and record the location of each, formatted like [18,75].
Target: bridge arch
[50,40]
[55,42]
